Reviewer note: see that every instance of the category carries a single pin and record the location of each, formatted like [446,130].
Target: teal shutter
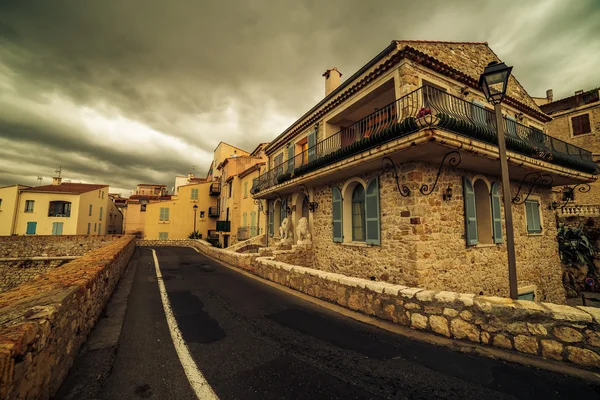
[245,218]
[253,223]
[89,228]
[271,218]
[166,214]
[372,212]
[57,228]
[290,168]
[282,212]
[496,213]
[31,228]
[312,141]
[470,212]
[101,211]
[336,197]
[532,212]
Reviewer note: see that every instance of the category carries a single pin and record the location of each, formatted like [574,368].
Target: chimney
[549,95]
[578,92]
[57,180]
[332,80]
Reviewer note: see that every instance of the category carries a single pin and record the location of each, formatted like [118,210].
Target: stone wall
[44,322]
[14,273]
[51,246]
[423,244]
[552,331]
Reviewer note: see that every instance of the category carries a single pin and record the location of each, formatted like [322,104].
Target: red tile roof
[66,187]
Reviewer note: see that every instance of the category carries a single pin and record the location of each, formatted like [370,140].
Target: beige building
[576,120]
[397,169]
[135,212]
[56,209]
[115,216]
[174,218]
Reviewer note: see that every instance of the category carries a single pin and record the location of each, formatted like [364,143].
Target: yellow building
[57,209]
[253,217]
[9,200]
[135,214]
[115,217]
[174,218]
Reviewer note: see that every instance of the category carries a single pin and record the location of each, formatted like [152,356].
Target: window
[101,211]
[57,228]
[143,208]
[59,209]
[90,211]
[253,224]
[483,219]
[95,226]
[163,235]
[432,95]
[0,204]
[278,165]
[89,228]
[358,214]
[532,214]
[527,292]
[31,227]
[99,193]
[201,214]
[568,194]
[581,124]
[511,126]
[164,214]
[103,194]
[245,189]
[230,188]
[100,229]
[194,194]
[245,219]
[29,205]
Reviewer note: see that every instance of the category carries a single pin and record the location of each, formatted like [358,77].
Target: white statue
[285,231]
[302,232]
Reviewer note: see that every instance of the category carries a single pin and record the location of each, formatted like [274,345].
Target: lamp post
[195,211]
[494,82]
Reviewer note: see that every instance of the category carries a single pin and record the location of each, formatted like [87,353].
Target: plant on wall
[577,254]
[195,235]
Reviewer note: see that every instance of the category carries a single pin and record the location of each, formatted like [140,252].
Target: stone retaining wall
[44,322]
[553,331]
[51,246]
[14,273]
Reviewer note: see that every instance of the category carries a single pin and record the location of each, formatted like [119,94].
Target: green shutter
[31,228]
[245,219]
[532,212]
[537,224]
[57,228]
[529,216]
[282,212]
[336,197]
[271,218]
[166,214]
[312,140]
[470,212]
[372,212]
[496,213]
[245,189]
[290,168]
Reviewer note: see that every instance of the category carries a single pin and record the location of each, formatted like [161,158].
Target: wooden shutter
[373,229]
[496,213]
[271,222]
[290,163]
[31,227]
[581,124]
[470,212]
[336,197]
[312,140]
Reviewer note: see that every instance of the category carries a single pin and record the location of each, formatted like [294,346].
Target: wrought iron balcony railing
[215,189]
[422,108]
[213,212]
[223,226]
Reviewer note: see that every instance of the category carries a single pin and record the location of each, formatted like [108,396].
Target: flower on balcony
[423,112]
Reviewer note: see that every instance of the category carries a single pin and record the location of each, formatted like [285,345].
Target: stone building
[396,172]
[576,120]
[62,208]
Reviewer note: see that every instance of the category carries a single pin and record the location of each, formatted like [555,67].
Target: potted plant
[425,118]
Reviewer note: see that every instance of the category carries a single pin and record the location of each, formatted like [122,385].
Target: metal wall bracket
[534,178]
[312,205]
[387,164]
[581,188]
[261,207]
[454,161]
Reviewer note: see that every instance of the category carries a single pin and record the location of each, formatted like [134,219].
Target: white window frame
[542,227]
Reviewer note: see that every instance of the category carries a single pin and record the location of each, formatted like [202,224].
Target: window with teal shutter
[57,228]
[31,227]
[312,140]
[496,213]
[290,168]
[532,212]
[282,212]
[271,219]
[194,194]
[470,212]
[336,198]
[245,219]
[372,212]
[164,214]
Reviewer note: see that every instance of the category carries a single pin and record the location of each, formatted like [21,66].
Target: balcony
[576,210]
[213,212]
[223,226]
[215,189]
[427,107]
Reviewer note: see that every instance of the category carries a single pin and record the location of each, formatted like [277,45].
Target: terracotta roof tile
[73,188]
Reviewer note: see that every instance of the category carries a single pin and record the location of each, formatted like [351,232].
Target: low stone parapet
[44,322]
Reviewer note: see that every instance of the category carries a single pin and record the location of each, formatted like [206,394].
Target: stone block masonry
[552,331]
[44,322]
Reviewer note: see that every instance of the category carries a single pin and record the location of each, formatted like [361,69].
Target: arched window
[482,211]
[305,207]
[358,214]
[483,208]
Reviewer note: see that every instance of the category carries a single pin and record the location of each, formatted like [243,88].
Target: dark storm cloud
[197,72]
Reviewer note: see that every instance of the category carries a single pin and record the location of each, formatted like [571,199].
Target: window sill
[163,222]
[355,244]
[535,234]
[484,245]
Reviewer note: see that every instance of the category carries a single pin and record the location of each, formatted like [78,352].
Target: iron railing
[213,212]
[215,189]
[422,108]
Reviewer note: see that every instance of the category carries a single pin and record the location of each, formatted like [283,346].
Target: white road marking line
[197,381]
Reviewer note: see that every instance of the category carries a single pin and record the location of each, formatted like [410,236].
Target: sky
[139,91]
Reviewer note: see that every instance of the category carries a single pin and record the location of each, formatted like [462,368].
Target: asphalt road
[253,341]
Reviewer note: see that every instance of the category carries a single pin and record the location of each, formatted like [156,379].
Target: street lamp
[493,82]
[195,210]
